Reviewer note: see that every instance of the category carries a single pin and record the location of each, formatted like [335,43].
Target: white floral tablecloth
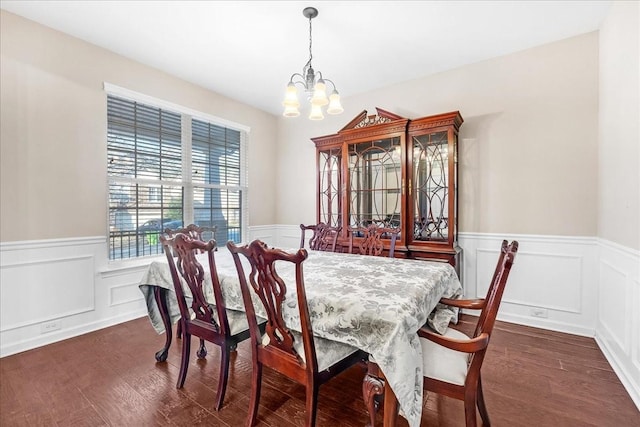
[374,303]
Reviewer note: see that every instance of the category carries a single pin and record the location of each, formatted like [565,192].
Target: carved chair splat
[324,238]
[373,237]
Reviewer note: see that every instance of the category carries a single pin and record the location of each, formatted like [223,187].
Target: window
[167,169]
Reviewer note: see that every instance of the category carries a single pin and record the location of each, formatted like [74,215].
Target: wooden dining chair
[204,234]
[324,238]
[210,322]
[372,242]
[452,362]
[301,356]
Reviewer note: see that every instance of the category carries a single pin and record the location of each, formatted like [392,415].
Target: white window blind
[167,169]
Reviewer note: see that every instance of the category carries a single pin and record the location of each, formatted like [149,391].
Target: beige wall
[53,131]
[528,146]
[619,144]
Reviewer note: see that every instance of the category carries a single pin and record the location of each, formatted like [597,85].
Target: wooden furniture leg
[374,389]
[202,350]
[160,295]
[390,406]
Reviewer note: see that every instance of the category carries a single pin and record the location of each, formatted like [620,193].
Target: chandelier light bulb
[291,96]
[316,112]
[335,107]
[320,94]
[290,111]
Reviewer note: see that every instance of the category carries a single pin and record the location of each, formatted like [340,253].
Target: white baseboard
[35,341]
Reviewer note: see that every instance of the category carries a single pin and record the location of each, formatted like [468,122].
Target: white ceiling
[247,50]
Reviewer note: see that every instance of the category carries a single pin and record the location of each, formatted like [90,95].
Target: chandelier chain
[310,41]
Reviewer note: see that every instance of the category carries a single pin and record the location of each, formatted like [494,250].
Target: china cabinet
[395,172]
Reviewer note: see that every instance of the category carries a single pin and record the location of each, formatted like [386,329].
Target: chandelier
[314,85]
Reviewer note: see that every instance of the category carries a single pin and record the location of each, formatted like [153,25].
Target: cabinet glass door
[330,185]
[430,187]
[375,180]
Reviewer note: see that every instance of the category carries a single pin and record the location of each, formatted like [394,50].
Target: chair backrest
[194,231]
[496,287]
[487,318]
[185,265]
[264,281]
[324,238]
[373,237]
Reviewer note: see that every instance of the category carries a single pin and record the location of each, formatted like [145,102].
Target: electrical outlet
[52,325]
[539,312]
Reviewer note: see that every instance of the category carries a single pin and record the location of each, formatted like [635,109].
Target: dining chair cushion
[441,363]
[328,352]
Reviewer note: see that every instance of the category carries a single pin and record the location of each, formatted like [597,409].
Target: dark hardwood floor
[532,377]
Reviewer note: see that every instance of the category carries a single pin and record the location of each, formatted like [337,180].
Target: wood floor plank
[85,417]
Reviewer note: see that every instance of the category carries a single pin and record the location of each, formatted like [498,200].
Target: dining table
[376,304]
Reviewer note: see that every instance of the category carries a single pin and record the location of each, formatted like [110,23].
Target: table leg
[390,406]
[374,389]
[160,295]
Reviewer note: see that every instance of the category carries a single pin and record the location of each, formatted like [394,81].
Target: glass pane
[430,181]
[375,179]
[330,184]
[137,215]
[220,208]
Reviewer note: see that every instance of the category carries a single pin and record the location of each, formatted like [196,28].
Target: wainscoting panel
[552,283]
[53,290]
[289,236]
[618,322]
[38,291]
[266,233]
[533,268]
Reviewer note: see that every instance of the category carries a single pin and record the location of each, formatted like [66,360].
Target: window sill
[126,266]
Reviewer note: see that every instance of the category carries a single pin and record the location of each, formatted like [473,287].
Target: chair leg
[186,355]
[470,408]
[311,404]
[179,329]
[202,350]
[223,376]
[256,383]
[481,405]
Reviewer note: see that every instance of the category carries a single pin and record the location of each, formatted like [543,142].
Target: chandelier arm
[296,75]
[330,81]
